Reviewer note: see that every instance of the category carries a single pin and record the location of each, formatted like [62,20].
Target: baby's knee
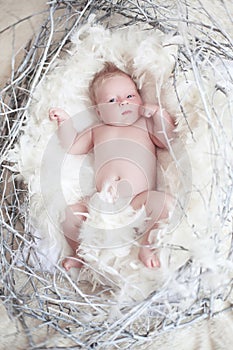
[139,200]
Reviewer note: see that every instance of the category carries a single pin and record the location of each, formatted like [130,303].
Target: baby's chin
[123,122]
[120,123]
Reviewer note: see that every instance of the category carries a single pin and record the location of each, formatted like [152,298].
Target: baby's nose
[124,102]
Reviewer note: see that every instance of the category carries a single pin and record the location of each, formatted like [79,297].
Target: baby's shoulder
[141,123]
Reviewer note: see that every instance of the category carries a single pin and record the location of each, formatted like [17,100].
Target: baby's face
[118,101]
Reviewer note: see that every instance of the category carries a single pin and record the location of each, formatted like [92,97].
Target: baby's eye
[130,96]
[112,100]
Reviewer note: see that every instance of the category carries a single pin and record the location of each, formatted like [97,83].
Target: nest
[51,308]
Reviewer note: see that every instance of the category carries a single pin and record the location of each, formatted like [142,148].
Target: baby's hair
[109,70]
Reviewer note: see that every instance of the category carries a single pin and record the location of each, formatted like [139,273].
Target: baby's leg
[71,227]
[157,206]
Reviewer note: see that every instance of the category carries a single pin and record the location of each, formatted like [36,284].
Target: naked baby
[130,171]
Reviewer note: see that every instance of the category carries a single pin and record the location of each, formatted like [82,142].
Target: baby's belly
[128,178]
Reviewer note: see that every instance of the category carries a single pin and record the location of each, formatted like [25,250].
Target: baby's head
[116,96]
[108,71]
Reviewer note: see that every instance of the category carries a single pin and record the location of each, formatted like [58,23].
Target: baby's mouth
[126,112]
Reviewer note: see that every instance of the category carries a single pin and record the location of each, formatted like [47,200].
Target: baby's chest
[129,143]
[130,134]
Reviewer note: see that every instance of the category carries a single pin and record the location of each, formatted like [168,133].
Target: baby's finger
[52,114]
[145,112]
[148,114]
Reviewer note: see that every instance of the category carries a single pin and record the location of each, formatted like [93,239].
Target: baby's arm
[71,141]
[160,125]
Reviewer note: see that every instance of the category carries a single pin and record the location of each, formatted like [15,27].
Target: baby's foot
[148,257]
[72,261]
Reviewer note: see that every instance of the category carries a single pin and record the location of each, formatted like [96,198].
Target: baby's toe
[149,257]
[152,262]
[155,261]
[71,262]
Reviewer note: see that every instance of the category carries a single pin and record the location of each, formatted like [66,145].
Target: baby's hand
[148,110]
[58,114]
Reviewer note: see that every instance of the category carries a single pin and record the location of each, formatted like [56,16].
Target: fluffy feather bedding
[195,242]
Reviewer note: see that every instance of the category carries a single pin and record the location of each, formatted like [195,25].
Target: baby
[124,144]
